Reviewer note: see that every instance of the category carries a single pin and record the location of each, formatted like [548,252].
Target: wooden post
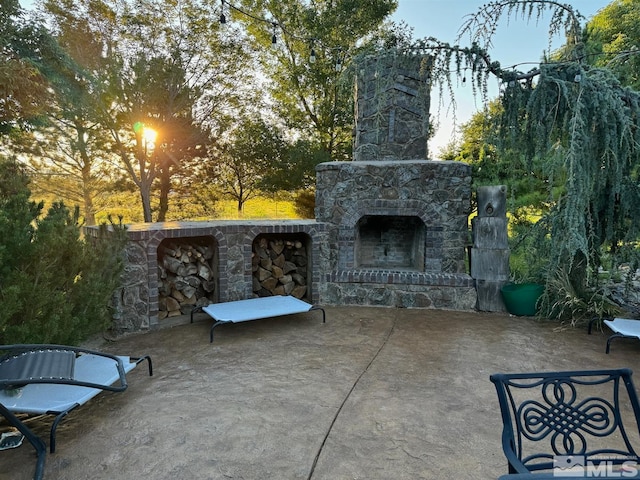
[490,251]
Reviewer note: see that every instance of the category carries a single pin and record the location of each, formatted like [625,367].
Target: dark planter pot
[521,298]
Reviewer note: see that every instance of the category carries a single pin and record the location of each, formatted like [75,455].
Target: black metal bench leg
[54,426]
[324,319]
[591,322]
[615,335]
[38,444]
[215,324]
[142,359]
[194,310]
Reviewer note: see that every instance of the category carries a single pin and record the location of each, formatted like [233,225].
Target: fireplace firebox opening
[390,243]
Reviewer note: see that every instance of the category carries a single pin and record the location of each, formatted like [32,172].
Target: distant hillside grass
[259,207]
[127,205]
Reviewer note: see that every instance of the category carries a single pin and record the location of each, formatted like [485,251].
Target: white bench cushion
[43,398]
[624,326]
[256,308]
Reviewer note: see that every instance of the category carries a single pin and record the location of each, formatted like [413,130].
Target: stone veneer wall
[136,302]
[437,192]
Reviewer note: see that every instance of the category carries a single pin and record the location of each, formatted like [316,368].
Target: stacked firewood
[279,267]
[185,277]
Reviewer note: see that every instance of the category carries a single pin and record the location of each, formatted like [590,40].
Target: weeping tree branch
[578,127]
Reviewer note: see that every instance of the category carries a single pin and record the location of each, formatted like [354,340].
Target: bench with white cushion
[621,328]
[255,309]
[54,380]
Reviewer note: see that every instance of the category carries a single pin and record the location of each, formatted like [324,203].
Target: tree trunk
[145,197]
[165,187]
[89,210]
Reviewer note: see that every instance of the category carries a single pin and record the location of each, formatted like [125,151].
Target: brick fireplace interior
[390,242]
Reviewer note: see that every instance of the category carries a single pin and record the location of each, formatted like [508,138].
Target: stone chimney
[392,107]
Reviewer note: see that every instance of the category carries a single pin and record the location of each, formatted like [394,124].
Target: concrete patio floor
[375,393]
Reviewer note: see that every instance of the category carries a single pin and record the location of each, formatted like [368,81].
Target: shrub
[55,287]
[305,203]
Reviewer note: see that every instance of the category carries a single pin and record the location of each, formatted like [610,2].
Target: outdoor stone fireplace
[397,223]
[398,233]
[391,227]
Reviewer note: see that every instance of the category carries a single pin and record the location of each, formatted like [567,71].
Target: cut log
[277,271]
[178,295]
[204,271]
[299,279]
[263,274]
[266,263]
[289,267]
[279,261]
[277,246]
[270,284]
[172,304]
[172,264]
[288,287]
[189,291]
[299,291]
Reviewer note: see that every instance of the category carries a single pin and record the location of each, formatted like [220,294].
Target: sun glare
[149,135]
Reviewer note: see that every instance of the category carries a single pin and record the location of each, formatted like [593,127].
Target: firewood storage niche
[281,265]
[187,274]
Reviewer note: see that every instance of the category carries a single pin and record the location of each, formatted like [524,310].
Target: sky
[515,42]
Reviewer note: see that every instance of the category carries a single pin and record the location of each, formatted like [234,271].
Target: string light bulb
[338,64]
[312,54]
[274,39]
[223,19]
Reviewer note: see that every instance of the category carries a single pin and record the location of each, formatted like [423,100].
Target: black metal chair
[553,417]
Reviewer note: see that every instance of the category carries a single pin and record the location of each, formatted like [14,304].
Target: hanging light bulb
[274,39]
[312,56]
[338,63]
[223,19]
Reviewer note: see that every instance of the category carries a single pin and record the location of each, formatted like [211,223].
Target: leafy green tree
[72,160]
[55,287]
[314,98]
[243,166]
[23,90]
[611,39]
[150,64]
[574,128]
[294,167]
